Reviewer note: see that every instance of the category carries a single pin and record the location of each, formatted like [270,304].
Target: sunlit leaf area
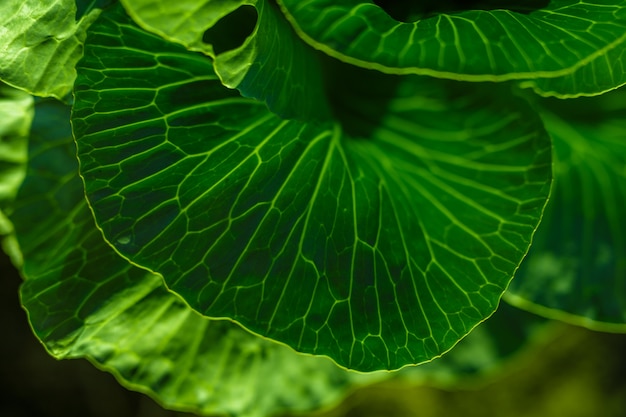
[263,208]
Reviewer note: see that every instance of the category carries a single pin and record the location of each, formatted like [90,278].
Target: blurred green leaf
[576,268]
[16,113]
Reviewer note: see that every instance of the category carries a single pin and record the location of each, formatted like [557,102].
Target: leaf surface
[576,268]
[40,43]
[84,300]
[379,241]
[491,44]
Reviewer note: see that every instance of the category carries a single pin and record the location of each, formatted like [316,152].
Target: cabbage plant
[249,207]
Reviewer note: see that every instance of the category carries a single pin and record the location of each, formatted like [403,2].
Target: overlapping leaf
[380,245]
[493,44]
[272,64]
[576,269]
[83,300]
[40,43]
[602,74]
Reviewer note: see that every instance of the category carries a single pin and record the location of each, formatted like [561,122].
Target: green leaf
[380,241]
[576,269]
[16,113]
[271,64]
[604,73]
[83,300]
[491,44]
[40,43]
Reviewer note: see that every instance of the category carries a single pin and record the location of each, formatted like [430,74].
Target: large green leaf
[16,113]
[271,64]
[380,241]
[490,43]
[40,43]
[83,300]
[576,269]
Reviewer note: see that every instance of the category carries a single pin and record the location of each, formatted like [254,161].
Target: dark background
[580,374]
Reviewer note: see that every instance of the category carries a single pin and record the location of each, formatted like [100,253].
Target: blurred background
[577,374]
